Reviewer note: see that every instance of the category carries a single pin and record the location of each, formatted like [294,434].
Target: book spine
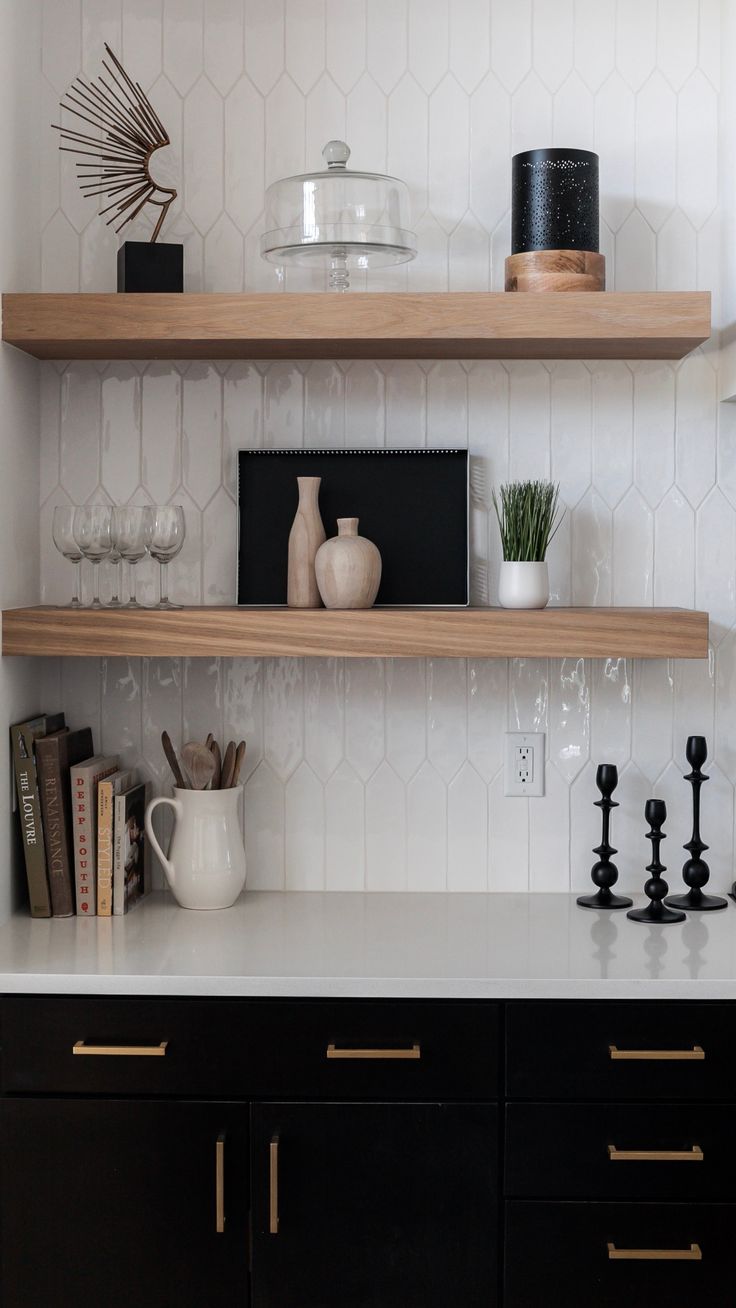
[82,784]
[29,809]
[119,856]
[54,829]
[105,802]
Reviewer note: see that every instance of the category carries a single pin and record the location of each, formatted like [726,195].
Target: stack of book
[81,821]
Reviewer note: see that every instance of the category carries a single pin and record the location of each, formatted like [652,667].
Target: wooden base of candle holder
[556,270]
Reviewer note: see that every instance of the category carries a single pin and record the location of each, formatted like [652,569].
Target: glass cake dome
[339,218]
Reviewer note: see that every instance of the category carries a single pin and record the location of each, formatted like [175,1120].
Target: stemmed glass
[92,532]
[63,533]
[129,531]
[165,531]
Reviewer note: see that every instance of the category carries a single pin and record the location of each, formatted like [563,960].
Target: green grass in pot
[528,517]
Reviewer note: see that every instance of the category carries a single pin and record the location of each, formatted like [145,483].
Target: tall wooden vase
[306,536]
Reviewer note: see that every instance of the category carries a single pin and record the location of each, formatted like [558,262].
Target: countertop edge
[366,987]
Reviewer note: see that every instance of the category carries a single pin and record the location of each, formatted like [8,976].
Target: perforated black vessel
[554,200]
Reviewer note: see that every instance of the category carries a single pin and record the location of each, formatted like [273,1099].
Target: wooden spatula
[173,761]
[228,767]
[217,756]
[239,756]
[199,763]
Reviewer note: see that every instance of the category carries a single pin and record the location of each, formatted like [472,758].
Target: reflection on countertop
[374,945]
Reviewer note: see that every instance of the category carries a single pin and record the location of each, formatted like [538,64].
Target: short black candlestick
[604,873]
[695,872]
[655,889]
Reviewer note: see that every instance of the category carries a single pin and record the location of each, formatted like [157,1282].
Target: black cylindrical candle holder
[555,222]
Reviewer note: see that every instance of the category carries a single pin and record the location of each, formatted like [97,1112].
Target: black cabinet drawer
[250,1048]
[560,1255]
[590,1151]
[618,1051]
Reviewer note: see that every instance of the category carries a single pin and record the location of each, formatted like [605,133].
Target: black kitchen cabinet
[377,1153]
[114,1204]
[374,1205]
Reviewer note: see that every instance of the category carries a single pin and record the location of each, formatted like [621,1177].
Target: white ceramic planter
[206,863]
[523,586]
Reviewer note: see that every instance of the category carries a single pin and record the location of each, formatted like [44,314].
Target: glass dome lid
[340,218]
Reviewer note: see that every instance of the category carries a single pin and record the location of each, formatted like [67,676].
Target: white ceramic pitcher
[206,863]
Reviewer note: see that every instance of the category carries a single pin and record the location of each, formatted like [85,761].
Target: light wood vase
[556,270]
[348,568]
[306,536]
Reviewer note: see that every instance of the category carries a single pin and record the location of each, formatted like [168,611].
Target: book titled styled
[85,778]
[131,874]
[56,755]
[23,736]
[108,788]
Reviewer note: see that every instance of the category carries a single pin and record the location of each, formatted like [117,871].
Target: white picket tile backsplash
[387,775]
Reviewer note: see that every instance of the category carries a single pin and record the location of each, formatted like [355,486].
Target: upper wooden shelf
[486,325]
[362,633]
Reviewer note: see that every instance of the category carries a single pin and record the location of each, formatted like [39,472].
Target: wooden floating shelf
[477,325]
[367,633]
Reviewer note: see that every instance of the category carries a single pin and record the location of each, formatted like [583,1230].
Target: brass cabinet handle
[413,1053]
[694,1055]
[220,1184]
[273,1189]
[691,1255]
[121,1051]
[694,1155]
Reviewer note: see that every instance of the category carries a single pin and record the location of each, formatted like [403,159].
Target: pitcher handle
[176,805]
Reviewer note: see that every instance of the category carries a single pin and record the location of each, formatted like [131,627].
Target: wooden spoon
[228,767]
[217,756]
[173,761]
[239,756]
[209,740]
[199,763]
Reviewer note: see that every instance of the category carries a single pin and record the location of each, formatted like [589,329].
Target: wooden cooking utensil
[217,756]
[228,766]
[173,761]
[239,756]
[199,763]
[209,740]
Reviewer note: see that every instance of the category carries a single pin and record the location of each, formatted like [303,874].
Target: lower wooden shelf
[207,632]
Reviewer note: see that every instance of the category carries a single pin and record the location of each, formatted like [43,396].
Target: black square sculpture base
[150,266]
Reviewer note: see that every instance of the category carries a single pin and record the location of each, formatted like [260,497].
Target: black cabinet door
[115,1203]
[374,1205]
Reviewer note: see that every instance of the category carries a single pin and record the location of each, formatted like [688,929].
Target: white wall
[388,775]
[20,38]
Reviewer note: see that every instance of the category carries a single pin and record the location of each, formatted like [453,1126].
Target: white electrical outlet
[524,763]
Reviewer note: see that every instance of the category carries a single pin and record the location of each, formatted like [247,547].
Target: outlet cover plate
[523,771]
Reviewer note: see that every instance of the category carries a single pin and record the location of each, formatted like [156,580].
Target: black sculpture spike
[130,132]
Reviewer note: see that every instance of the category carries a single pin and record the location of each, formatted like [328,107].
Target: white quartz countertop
[375,946]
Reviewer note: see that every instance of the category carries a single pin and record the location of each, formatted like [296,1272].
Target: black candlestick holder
[695,872]
[655,889]
[604,873]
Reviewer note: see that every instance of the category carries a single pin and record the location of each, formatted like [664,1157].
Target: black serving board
[412,503]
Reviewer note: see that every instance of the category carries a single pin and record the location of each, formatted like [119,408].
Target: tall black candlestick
[655,889]
[695,872]
[604,873]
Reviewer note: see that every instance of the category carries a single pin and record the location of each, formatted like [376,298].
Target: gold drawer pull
[220,1185]
[414,1053]
[694,1055]
[691,1255]
[694,1155]
[121,1051]
[273,1188]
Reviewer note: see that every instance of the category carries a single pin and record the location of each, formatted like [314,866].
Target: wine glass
[63,533]
[165,532]
[129,532]
[92,532]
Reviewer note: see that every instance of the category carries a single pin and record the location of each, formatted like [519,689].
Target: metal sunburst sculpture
[117,165]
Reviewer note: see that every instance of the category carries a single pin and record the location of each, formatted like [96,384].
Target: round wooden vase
[306,536]
[348,568]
